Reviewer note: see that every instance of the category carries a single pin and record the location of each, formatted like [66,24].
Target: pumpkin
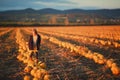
[30,63]
[89,55]
[40,73]
[109,62]
[83,53]
[100,61]
[20,57]
[33,71]
[47,77]
[27,77]
[102,42]
[25,61]
[116,45]
[109,43]
[76,49]
[24,48]
[95,58]
[42,65]
[115,70]
[35,78]
[100,56]
[28,69]
[24,58]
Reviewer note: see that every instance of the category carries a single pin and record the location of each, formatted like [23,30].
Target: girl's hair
[35,31]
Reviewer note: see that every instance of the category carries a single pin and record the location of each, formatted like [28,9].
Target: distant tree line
[35,19]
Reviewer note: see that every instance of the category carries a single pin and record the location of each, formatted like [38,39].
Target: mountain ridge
[57,11]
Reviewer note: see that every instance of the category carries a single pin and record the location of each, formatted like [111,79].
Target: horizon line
[61,9]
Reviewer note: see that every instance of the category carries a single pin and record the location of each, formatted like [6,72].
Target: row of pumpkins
[84,51]
[35,70]
[87,39]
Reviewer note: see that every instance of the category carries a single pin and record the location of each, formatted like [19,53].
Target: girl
[34,43]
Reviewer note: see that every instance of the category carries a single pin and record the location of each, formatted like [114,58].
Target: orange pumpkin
[35,78]
[109,62]
[33,71]
[43,65]
[115,70]
[28,69]
[47,77]
[27,77]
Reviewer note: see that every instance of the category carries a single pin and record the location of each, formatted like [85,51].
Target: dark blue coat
[30,44]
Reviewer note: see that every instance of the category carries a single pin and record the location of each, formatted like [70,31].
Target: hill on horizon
[58,17]
[57,11]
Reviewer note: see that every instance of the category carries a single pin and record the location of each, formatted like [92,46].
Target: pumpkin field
[66,53]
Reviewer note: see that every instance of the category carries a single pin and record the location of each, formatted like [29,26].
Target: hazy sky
[59,4]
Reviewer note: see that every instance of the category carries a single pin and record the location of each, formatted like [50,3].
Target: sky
[58,4]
